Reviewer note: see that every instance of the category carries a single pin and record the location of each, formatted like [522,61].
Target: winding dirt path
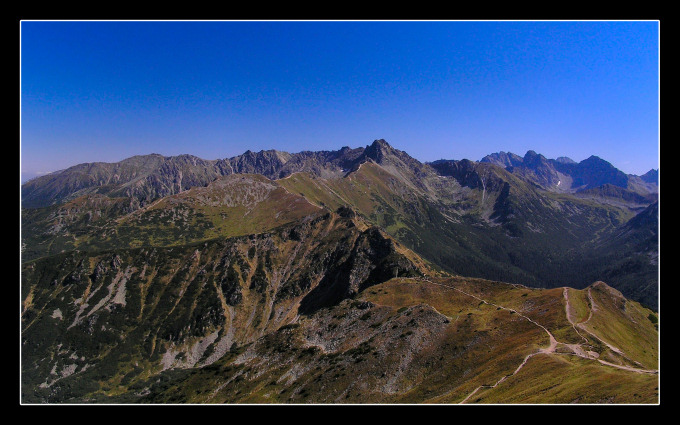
[570,318]
[577,349]
[593,307]
[553,341]
[628,368]
[506,376]
[548,350]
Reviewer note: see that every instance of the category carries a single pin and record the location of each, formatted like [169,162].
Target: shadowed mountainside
[527,223]
[123,315]
[337,277]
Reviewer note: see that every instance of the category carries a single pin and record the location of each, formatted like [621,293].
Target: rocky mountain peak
[565,160]
[651,176]
[595,171]
[532,159]
[504,159]
[594,159]
[378,150]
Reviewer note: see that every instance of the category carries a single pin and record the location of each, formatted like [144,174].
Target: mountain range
[279,277]
[152,176]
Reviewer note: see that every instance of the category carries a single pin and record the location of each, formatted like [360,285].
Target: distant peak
[381,143]
[377,150]
[531,158]
[504,159]
[651,176]
[596,161]
[593,158]
[565,160]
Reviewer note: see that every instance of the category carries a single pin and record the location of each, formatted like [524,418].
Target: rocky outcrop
[651,176]
[149,177]
[372,259]
[503,159]
[469,174]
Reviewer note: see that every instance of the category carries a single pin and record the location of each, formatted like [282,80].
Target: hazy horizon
[103,91]
[26,176]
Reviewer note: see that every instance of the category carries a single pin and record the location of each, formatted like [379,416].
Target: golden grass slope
[616,361]
[439,340]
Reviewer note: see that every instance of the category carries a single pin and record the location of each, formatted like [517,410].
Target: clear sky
[105,91]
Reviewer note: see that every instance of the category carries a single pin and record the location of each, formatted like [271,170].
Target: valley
[352,276]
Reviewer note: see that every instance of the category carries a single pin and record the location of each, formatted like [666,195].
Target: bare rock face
[372,259]
[542,171]
[267,163]
[149,177]
[470,174]
[503,159]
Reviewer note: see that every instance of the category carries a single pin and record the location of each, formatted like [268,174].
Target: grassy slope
[554,378]
[417,342]
[546,239]
[478,345]
[59,228]
[230,206]
[410,218]
[567,379]
[538,243]
[624,323]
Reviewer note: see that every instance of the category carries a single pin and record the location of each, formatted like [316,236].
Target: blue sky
[105,91]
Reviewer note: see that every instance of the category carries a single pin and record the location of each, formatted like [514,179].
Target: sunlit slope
[568,379]
[59,228]
[502,230]
[233,205]
[413,218]
[432,340]
[627,329]
[469,218]
[238,204]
